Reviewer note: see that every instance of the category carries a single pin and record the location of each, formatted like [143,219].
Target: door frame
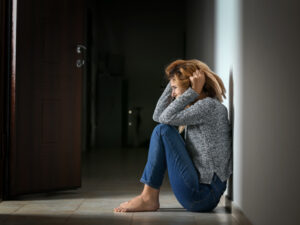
[2,91]
[7,89]
[4,74]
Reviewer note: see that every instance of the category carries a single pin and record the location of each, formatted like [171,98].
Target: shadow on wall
[231,120]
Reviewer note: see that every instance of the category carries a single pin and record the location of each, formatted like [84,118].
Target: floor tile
[109,177]
[7,207]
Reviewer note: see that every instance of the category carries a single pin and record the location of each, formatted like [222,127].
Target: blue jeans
[167,151]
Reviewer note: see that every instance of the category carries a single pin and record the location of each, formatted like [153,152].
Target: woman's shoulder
[207,101]
[214,101]
[212,104]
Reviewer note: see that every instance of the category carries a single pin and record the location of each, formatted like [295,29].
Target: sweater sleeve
[176,115]
[162,103]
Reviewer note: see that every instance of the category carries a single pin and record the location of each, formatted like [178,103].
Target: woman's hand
[197,81]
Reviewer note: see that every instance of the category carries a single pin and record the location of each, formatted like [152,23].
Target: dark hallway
[113,77]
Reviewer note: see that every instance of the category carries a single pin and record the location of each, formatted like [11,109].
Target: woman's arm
[176,114]
[162,103]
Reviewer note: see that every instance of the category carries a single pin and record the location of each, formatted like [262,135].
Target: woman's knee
[162,128]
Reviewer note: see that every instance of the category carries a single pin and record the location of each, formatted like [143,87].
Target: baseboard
[236,212]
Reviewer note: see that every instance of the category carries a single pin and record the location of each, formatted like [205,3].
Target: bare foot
[138,204]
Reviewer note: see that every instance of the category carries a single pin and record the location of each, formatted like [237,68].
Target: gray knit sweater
[207,134]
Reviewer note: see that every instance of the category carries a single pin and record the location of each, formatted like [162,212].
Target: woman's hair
[181,70]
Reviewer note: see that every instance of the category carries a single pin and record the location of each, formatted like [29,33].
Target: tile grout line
[19,208]
[68,217]
[11,213]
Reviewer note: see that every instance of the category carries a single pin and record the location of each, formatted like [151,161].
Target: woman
[199,162]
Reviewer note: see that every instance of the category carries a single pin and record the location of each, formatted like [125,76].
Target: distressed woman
[192,141]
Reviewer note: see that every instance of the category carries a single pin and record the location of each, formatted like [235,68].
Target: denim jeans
[167,151]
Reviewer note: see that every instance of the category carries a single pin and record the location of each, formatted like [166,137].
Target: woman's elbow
[165,120]
[155,118]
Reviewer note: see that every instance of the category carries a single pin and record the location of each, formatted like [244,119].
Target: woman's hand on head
[197,81]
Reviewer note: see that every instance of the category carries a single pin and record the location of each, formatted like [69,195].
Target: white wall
[269,193]
[257,54]
[228,65]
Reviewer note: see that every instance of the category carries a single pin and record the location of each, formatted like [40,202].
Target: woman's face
[176,89]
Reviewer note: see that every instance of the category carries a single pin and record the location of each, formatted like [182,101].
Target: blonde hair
[181,70]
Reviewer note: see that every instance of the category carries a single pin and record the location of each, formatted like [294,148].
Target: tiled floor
[109,177]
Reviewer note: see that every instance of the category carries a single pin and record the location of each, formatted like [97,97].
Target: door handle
[79,50]
[79,63]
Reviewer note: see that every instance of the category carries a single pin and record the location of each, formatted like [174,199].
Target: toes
[123,210]
[120,209]
[117,209]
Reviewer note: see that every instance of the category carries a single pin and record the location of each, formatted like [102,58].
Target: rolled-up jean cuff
[149,184]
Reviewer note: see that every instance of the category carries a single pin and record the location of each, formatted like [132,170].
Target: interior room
[80,81]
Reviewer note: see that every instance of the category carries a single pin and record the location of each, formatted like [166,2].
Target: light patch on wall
[227,41]
[228,65]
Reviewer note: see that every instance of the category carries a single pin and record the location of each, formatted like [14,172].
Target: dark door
[46,97]
[3,78]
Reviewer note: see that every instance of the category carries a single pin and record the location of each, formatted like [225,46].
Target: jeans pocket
[220,188]
[205,204]
[217,196]
[219,185]
[203,188]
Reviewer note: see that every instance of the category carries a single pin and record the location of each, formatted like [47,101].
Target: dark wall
[200,31]
[132,42]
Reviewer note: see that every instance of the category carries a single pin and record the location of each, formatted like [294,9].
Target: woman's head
[179,71]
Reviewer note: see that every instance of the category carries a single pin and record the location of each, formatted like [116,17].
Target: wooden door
[3,60]
[46,97]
